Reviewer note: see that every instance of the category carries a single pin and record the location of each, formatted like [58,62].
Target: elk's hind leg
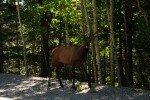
[58,69]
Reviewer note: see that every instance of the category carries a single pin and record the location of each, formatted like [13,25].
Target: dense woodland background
[119,56]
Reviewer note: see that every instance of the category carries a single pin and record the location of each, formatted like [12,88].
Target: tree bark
[45,23]
[110,8]
[128,35]
[45,55]
[100,69]
[23,41]
[86,17]
[66,33]
[143,12]
[86,23]
[112,46]
[95,77]
[1,52]
[120,71]
[18,59]
[60,33]
[113,53]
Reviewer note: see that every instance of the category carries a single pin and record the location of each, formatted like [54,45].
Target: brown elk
[71,55]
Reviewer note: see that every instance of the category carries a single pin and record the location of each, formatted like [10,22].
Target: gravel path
[15,87]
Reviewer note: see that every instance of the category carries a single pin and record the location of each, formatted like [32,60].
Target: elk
[71,55]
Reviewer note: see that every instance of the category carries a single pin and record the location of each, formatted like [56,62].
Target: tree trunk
[45,21]
[100,69]
[128,33]
[110,8]
[86,17]
[66,34]
[112,46]
[114,57]
[1,52]
[23,41]
[120,73]
[60,33]
[18,54]
[45,55]
[95,77]
[85,20]
[143,12]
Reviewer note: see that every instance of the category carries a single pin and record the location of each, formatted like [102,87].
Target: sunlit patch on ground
[15,87]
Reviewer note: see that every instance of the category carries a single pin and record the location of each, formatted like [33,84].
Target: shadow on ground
[34,88]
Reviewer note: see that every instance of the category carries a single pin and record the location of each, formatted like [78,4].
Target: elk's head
[88,39]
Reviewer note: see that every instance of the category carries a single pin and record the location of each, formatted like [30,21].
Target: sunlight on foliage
[79,86]
[74,40]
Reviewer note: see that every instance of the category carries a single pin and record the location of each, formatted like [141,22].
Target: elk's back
[68,55]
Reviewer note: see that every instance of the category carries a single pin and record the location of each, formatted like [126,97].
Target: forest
[119,55]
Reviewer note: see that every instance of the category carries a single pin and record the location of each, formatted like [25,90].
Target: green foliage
[142,40]
[11,1]
[94,91]
[79,86]
[74,40]
[54,75]
[141,59]
[65,8]
[60,13]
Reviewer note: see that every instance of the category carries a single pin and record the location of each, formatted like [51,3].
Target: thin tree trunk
[45,55]
[83,18]
[100,70]
[66,33]
[112,42]
[60,32]
[110,19]
[86,19]
[18,54]
[1,52]
[94,63]
[23,41]
[120,73]
[128,33]
[45,70]
[114,58]
[143,12]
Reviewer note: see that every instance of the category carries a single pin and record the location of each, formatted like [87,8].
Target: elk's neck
[84,50]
